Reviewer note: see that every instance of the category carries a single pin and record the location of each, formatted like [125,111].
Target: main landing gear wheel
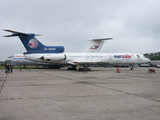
[72,68]
[84,69]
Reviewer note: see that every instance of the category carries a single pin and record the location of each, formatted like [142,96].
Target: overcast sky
[134,24]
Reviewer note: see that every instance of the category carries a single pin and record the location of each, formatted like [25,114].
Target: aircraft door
[110,59]
[117,59]
[105,59]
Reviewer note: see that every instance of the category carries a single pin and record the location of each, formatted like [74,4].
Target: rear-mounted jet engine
[54,57]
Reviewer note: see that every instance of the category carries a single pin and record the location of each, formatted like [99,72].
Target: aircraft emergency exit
[86,58]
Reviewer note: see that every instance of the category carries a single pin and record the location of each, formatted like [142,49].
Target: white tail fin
[95,45]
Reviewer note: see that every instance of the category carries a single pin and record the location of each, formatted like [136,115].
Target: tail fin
[32,45]
[95,45]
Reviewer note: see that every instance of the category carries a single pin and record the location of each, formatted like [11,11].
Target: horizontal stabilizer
[10,35]
[100,39]
[15,33]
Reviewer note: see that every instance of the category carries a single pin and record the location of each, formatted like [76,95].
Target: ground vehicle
[144,65]
[158,66]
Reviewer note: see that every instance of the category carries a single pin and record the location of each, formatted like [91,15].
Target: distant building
[155,62]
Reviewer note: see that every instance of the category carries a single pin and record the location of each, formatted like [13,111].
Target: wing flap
[77,62]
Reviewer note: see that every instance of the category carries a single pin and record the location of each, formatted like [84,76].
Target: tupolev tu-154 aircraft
[38,52]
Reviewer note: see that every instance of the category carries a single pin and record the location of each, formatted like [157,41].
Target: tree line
[152,56]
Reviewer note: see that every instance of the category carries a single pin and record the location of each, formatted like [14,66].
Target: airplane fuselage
[89,58]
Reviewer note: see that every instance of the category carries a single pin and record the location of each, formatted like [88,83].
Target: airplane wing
[96,45]
[77,62]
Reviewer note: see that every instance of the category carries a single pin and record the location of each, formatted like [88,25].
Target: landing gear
[55,67]
[84,69]
[79,69]
[72,68]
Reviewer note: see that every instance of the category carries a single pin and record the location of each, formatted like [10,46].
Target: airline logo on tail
[33,43]
[94,47]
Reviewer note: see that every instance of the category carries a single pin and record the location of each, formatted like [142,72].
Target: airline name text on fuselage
[122,56]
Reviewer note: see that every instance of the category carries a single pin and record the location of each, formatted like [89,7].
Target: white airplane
[19,59]
[73,59]
[86,59]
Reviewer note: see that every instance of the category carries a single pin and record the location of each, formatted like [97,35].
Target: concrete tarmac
[100,94]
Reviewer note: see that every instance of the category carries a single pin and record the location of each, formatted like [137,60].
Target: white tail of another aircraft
[96,45]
